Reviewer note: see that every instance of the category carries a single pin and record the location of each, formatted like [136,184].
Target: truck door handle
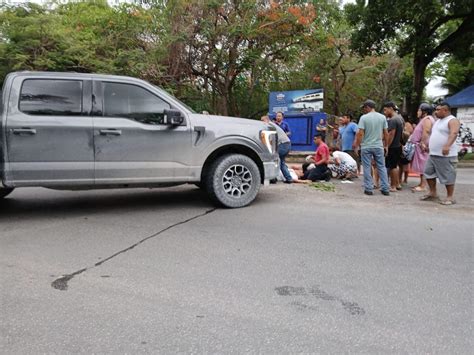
[110,132]
[24,131]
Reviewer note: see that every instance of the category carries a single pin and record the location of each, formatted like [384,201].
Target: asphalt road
[300,270]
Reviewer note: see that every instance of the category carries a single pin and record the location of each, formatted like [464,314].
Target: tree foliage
[348,78]
[222,56]
[421,29]
[228,44]
[81,37]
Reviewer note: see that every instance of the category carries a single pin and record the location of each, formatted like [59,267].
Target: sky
[434,89]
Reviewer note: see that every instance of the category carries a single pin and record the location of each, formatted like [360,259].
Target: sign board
[296,101]
[466,116]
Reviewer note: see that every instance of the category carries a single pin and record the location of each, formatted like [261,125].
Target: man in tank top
[443,158]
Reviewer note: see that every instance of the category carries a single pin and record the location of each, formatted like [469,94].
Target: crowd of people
[387,146]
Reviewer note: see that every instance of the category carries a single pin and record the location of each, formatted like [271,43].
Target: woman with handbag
[420,137]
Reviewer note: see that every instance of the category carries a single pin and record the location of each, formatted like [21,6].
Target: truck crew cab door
[49,132]
[132,143]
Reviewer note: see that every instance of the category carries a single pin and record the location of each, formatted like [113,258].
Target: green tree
[347,77]
[224,45]
[459,73]
[87,36]
[29,39]
[421,29]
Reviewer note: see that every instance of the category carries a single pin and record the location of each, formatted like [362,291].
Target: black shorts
[404,161]
[320,172]
[393,158]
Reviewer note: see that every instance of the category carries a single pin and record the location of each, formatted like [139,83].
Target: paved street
[300,270]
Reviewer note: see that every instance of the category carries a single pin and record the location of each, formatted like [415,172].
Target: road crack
[62,282]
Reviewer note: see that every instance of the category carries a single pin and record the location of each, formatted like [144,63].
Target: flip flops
[429,198]
[447,202]
[418,189]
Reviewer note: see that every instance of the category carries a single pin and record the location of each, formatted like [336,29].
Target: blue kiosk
[302,110]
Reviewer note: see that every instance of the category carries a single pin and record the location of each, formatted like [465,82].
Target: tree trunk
[335,104]
[222,105]
[419,67]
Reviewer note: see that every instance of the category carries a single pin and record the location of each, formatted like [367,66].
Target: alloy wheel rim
[237,180]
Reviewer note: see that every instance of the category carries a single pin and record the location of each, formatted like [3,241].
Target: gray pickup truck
[74,131]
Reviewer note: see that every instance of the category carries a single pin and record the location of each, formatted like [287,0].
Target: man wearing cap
[443,157]
[395,129]
[372,137]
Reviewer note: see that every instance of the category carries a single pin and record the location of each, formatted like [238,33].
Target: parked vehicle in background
[464,141]
[91,131]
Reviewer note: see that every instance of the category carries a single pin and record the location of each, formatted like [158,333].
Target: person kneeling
[320,161]
[342,165]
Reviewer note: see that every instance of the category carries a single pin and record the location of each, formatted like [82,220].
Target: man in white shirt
[443,157]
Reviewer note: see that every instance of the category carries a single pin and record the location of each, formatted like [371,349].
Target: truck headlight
[269,140]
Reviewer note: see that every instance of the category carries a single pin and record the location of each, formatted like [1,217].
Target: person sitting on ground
[320,161]
[342,165]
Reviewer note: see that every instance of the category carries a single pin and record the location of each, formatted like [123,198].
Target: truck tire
[4,191]
[233,181]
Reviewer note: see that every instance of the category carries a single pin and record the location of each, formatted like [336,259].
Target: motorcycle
[464,141]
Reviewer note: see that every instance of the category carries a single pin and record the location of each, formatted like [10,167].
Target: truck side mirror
[172,117]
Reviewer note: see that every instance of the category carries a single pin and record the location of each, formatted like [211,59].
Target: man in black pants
[320,160]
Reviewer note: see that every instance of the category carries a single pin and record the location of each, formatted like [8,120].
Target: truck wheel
[4,191]
[233,181]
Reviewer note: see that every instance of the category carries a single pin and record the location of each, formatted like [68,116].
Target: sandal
[447,202]
[429,198]
[418,189]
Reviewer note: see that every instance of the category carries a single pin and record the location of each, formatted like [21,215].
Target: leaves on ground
[324,186]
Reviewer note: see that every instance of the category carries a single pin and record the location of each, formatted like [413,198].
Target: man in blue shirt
[347,134]
[283,124]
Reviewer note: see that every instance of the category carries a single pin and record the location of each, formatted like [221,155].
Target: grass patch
[468,156]
[324,186]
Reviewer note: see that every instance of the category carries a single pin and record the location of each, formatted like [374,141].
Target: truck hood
[244,124]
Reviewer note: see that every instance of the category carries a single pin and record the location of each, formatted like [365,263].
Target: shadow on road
[40,203]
